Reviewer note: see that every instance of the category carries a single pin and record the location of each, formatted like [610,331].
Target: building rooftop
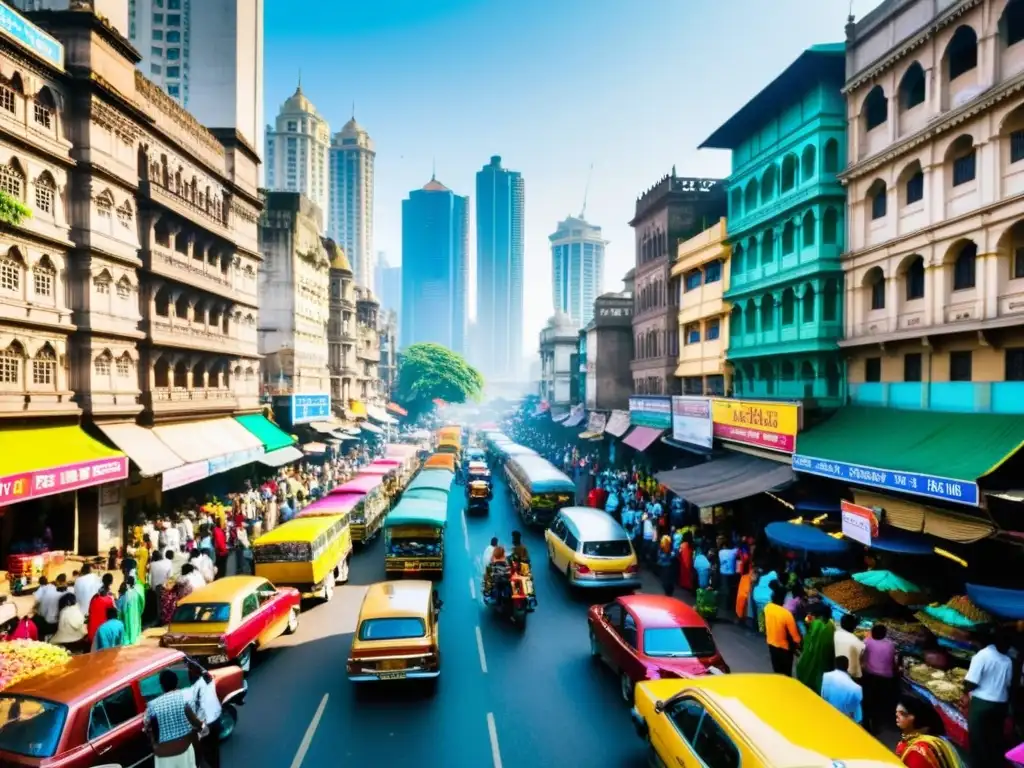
[337,256]
[352,128]
[435,186]
[811,66]
[299,103]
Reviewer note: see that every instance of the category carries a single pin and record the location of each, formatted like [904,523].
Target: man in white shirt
[988,685]
[848,644]
[650,533]
[208,708]
[840,690]
[46,601]
[171,537]
[489,552]
[203,564]
[192,576]
[160,569]
[86,586]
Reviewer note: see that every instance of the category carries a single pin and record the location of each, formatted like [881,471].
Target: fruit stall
[22,659]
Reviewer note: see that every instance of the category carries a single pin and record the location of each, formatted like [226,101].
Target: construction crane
[586,191]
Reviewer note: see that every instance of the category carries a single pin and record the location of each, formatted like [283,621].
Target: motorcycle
[513,597]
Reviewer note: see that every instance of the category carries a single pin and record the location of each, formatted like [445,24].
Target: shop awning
[371,428]
[268,433]
[559,419]
[925,453]
[804,538]
[1004,603]
[380,415]
[398,410]
[281,456]
[618,423]
[894,540]
[733,477]
[575,419]
[209,439]
[642,438]
[145,449]
[41,461]
[315,448]
[357,408]
[324,427]
[921,518]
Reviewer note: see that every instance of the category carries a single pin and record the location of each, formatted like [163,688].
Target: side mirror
[659,706]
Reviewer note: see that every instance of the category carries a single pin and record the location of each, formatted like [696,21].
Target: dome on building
[337,256]
[352,128]
[299,103]
[561,320]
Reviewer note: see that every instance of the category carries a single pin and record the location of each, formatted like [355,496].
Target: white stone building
[296,153]
[350,219]
[558,343]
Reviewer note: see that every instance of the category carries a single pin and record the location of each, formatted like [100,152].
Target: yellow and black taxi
[592,549]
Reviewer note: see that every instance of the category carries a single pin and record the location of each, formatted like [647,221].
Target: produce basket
[22,659]
[853,597]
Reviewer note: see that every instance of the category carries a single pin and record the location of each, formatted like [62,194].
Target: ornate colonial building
[935,266]
[341,329]
[367,346]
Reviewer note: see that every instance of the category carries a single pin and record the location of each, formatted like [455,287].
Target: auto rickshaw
[478,495]
[478,470]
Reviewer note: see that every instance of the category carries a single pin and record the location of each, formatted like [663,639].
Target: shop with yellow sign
[758,424]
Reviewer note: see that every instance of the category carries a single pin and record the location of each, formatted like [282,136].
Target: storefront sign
[691,421]
[618,424]
[759,424]
[22,31]
[190,473]
[236,459]
[596,422]
[942,488]
[70,477]
[653,412]
[303,409]
[859,523]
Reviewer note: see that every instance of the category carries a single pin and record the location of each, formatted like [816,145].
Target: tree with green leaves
[429,372]
[13,211]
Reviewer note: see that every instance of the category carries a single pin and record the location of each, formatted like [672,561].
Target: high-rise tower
[350,215]
[577,268]
[499,270]
[296,151]
[435,267]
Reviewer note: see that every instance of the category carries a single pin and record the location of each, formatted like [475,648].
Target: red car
[647,637]
[89,712]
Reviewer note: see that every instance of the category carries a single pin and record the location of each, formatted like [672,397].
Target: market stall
[22,659]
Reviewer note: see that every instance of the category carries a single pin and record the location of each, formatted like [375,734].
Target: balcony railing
[184,334]
[178,266]
[953,396]
[787,334]
[182,398]
[186,209]
[818,389]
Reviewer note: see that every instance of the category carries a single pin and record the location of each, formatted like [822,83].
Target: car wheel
[293,621]
[595,649]
[343,569]
[328,589]
[626,688]
[245,659]
[227,721]
[568,574]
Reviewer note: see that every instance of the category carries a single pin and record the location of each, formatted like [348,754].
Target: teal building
[786,228]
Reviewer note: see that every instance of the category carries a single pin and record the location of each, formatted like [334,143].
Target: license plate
[391,675]
[219,659]
[412,566]
[609,575]
[392,664]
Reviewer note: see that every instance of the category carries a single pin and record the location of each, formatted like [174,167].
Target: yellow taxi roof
[397,598]
[807,731]
[225,590]
[299,529]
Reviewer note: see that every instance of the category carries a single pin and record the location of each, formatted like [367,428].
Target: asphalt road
[505,698]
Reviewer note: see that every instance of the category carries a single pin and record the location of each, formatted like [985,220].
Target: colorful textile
[819,654]
[920,751]
[130,606]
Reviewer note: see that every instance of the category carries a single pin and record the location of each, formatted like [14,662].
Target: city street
[504,698]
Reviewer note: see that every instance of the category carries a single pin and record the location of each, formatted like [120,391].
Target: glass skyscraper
[577,268]
[499,271]
[350,217]
[435,267]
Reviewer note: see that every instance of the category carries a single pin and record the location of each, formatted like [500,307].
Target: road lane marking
[492,731]
[310,732]
[465,531]
[472,589]
[480,650]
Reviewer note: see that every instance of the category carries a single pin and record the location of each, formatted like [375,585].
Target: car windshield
[30,727]
[618,548]
[679,642]
[199,613]
[399,628]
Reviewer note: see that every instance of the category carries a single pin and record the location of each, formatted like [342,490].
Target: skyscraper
[207,54]
[296,154]
[350,217]
[577,268]
[435,267]
[499,270]
[387,283]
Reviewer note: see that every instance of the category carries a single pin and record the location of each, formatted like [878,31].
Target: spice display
[963,605]
[22,659]
[852,596]
[945,686]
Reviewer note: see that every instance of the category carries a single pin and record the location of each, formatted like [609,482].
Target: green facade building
[786,227]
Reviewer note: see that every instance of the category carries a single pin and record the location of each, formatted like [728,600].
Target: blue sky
[550,85]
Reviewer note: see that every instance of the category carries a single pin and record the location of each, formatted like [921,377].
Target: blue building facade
[435,267]
[786,227]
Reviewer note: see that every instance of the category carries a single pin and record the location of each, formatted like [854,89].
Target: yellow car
[754,721]
[592,549]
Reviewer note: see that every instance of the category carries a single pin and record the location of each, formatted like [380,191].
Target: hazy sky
[552,86]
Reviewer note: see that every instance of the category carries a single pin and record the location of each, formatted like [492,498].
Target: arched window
[750,196]
[125,214]
[790,172]
[965,267]
[767,374]
[161,374]
[767,312]
[162,302]
[124,287]
[912,181]
[874,280]
[736,203]
[1011,23]
[44,367]
[788,238]
[807,227]
[831,159]
[963,157]
[12,179]
[768,184]
[806,372]
[11,267]
[736,322]
[12,361]
[915,279]
[830,227]
[877,195]
[43,276]
[199,376]
[912,87]
[787,371]
[181,375]
[46,194]
[808,303]
[103,365]
[767,246]
[808,162]
[44,108]
[124,366]
[961,53]
[736,265]
[876,108]
[788,307]
[181,307]
[750,316]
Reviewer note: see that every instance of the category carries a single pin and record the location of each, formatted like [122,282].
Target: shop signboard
[769,425]
[648,411]
[188,473]
[929,486]
[303,409]
[236,459]
[23,32]
[596,422]
[859,523]
[69,477]
[691,421]
[618,424]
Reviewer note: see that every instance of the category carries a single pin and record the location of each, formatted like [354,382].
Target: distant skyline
[603,95]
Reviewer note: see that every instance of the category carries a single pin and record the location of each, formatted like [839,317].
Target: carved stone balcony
[187,210]
[161,400]
[183,335]
[167,262]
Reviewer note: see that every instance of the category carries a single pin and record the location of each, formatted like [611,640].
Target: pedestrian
[46,606]
[666,566]
[840,690]
[208,709]
[489,551]
[86,586]
[111,633]
[819,650]
[71,630]
[172,725]
[728,580]
[922,743]
[988,687]
[100,605]
[878,673]
[130,605]
[686,572]
[220,548]
[849,645]
[782,635]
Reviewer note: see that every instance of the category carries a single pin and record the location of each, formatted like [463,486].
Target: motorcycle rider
[519,551]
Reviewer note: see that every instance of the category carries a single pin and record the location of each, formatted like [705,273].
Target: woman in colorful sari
[819,649]
[142,560]
[101,602]
[130,606]
[922,743]
[173,594]
[744,590]
[686,573]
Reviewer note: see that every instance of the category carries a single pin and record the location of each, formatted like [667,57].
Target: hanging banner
[859,523]
[691,421]
[596,422]
[618,424]
[651,411]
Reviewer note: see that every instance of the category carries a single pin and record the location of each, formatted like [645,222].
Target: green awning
[268,433]
[926,453]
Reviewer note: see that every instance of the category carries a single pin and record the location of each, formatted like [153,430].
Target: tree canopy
[430,372]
